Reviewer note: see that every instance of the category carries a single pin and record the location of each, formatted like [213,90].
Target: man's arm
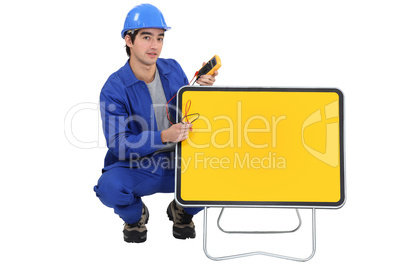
[122,139]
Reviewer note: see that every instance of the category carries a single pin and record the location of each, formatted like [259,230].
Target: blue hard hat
[144,16]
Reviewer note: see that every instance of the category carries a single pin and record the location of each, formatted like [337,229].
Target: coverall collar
[129,78]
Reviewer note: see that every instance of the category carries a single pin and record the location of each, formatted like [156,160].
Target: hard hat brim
[124,32]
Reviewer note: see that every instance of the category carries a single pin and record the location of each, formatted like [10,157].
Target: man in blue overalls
[140,138]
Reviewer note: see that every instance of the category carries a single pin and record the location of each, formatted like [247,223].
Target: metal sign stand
[259,232]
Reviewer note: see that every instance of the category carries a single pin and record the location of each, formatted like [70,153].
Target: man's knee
[112,193]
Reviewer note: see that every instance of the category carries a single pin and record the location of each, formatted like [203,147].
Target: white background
[56,55]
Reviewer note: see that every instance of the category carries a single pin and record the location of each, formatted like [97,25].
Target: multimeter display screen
[213,62]
[207,67]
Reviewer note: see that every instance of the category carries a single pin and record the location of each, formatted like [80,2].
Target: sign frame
[272,204]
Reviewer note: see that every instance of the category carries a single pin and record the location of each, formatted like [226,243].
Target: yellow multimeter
[210,67]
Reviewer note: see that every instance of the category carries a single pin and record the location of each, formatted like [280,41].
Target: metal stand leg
[260,252]
[258,232]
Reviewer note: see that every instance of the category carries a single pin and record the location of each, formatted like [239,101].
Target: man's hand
[207,80]
[176,133]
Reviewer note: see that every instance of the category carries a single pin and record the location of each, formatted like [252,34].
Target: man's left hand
[207,80]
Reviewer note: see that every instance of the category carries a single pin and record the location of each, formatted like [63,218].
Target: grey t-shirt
[159,104]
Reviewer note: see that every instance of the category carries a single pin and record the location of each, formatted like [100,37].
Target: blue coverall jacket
[127,113]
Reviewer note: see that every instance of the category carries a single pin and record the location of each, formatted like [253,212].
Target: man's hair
[132,36]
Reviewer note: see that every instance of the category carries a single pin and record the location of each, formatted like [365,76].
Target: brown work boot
[137,232]
[183,226]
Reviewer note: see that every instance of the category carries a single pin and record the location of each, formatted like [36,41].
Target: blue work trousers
[121,188]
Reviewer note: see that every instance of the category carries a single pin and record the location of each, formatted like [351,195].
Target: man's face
[147,46]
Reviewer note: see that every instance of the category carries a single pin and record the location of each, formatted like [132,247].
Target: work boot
[137,232]
[183,226]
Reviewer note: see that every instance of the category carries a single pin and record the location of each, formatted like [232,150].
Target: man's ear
[127,38]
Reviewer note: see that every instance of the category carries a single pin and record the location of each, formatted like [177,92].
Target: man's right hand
[176,133]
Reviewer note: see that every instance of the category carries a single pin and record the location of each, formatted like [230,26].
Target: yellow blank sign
[262,147]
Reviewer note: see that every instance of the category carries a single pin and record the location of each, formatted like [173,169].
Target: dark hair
[132,36]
